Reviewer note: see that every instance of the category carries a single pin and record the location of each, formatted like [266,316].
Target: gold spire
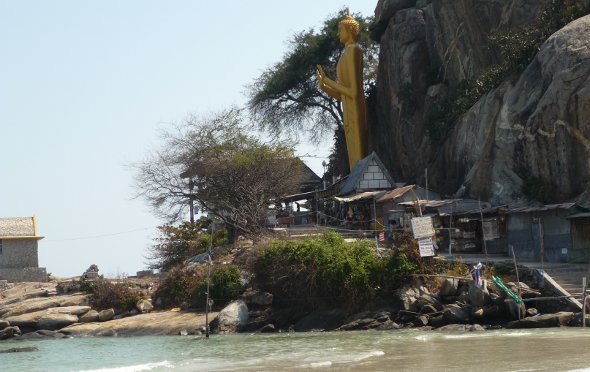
[351,24]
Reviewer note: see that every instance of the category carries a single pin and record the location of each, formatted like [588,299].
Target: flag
[382,236]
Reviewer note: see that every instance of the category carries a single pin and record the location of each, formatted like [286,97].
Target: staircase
[569,277]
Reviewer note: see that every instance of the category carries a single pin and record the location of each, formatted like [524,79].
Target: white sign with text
[422,227]
[426,247]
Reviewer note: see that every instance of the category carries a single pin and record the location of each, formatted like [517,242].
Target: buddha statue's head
[351,25]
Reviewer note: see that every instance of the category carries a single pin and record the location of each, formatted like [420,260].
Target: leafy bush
[319,271]
[105,295]
[175,289]
[178,243]
[225,287]
[220,237]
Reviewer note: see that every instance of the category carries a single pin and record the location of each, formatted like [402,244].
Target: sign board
[426,247]
[422,227]
[490,230]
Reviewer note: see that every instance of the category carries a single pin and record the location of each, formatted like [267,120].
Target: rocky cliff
[531,130]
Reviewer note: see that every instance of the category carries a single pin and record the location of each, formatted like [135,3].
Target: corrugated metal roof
[477,212]
[395,193]
[579,215]
[432,203]
[17,227]
[359,196]
[544,208]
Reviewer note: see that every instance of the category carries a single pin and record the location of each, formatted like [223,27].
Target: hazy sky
[85,87]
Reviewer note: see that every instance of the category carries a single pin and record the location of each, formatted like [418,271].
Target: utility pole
[483,233]
[191,198]
[209,263]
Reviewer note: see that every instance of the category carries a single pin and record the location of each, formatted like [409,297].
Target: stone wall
[27,274]
[19,253]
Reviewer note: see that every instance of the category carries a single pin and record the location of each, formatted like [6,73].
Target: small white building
[19,258]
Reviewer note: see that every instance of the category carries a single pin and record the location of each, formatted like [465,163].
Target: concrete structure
[19,260]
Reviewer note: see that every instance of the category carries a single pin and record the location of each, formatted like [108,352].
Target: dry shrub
[119,296]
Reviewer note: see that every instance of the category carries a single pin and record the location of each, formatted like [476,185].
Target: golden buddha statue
[349,89]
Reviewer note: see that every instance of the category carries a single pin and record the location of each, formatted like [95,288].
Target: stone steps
[569,277]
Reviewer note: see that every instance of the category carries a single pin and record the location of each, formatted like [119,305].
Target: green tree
[234,174]
[286,99]
[179,243]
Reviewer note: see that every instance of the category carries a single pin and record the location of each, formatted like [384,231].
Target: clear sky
[85,87]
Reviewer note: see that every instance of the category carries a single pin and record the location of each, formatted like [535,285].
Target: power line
[101,235]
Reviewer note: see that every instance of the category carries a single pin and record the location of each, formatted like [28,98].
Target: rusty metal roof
[395,193]
[431,203]
[544,208]
[359,196]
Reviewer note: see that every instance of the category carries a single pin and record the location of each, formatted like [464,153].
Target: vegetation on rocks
[176,244]
[105,294]
[326,271]
[187,287]
[224,287]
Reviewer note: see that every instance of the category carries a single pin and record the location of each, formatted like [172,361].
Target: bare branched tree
[223,169]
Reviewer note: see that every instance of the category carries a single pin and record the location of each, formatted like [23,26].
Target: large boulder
[449,287]
[106,315]
[4,324]
[543,321]
[534,127]
[231,319]
[35,304]
[56,321]
[426,300]
[28,306]
[384,11]
[72,310]
[456,315]
[90,316]
[514,310]
[321,320]
[42,334]
[478,296]
[408,294]
[461,328]
[144,306]
[9,332]
[28,320]
[257,298]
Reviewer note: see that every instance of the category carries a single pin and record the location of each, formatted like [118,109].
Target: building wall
[580,240]
[19,253]
[27,274]
[524,235]
[373,178]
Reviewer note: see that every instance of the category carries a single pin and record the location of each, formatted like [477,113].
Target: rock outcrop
[231,318]
[534,126]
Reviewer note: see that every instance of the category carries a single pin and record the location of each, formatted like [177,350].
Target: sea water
[555,349]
